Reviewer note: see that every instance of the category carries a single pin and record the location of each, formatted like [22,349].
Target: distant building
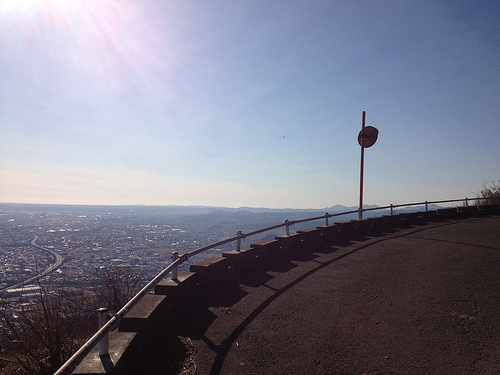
[25,291]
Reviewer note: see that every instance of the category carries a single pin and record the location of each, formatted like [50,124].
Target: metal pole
[104,343]
[361,170]
[287,227]
[238,241]
[326,218]
[175,256]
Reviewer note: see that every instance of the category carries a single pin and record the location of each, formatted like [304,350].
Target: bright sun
[36,3]
[32,5]
[102,46]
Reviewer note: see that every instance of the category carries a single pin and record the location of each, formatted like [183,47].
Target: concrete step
[174,287]
[136,319]
[93,364]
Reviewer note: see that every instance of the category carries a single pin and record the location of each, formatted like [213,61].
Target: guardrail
[101,336]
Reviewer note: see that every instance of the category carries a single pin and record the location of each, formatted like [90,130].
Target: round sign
[367,136]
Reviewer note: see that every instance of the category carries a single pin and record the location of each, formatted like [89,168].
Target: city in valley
[89,238]
[69,243]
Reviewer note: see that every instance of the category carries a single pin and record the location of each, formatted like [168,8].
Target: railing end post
[103,315]
[175,256]
[238,241]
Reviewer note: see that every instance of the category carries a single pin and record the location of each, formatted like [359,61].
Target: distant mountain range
[178,210]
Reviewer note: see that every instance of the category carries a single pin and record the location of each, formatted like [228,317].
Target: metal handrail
[70,365]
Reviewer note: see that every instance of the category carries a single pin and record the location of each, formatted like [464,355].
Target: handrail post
[392,209]
[326,218]
[103,314]
[238,241]
[466,202]
[426,206]
[287,227]
[175,256]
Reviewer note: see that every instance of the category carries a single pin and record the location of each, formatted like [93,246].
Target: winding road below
[51,268]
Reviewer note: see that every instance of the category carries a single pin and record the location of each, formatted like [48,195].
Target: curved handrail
[69,366]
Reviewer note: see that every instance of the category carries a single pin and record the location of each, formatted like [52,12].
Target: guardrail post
[392,209]
[426,206]
[238,241]
[175,256]
[326,218]
[287,227]
[466,202]
[102,320]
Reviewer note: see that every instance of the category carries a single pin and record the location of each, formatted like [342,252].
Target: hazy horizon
[336,208]
[171,205]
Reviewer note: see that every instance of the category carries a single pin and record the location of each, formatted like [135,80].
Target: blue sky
[247,103]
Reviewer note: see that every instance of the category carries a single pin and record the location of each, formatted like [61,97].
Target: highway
[51,268]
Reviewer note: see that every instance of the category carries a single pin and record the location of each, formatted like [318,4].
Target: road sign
[367,136]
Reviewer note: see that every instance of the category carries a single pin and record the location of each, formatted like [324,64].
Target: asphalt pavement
[422,300]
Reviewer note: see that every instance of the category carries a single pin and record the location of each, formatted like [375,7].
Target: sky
[247,103]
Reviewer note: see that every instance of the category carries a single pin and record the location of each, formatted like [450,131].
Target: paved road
[424,300]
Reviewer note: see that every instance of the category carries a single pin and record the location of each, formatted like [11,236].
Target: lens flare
[85,48]
[28,6]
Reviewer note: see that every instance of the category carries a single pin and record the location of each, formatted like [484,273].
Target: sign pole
[361,169]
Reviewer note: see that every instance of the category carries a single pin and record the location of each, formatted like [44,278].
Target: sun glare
[27,6]
[103,46]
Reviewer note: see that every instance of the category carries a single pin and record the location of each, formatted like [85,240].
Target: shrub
[41,332]
[117,285]
[489,194]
